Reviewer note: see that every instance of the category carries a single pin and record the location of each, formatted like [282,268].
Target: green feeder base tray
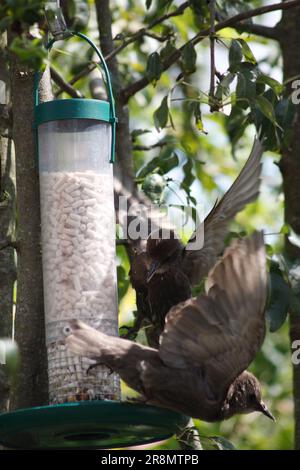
[87,425]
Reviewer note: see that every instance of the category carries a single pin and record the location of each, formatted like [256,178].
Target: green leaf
[227,80]
[223,88]
[236,124]
[266,107]
[167,50]
[247,53]
[271,82]
[201,13]
[196,110]
[30,52]
[285,112]
[199,7]
[163,164]
[235,53]
[285,229]
[245,89]
[271,134]
[189,177]
[148,4]
[154,68]
[188,58]
[123,282]
[161,115]
[137,132]
[279,300]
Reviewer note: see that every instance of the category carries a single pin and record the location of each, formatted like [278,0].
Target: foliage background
[197,157]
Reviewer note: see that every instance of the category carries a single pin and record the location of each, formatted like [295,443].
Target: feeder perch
[76,146]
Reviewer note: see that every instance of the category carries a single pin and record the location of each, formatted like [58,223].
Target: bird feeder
[76,140]
[76,147]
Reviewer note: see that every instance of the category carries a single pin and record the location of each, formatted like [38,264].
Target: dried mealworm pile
[78,244]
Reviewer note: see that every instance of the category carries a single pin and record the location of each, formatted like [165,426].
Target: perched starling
[207,343]
[164,275]
[160,283]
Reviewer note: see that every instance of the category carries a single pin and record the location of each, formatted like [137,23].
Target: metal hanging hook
[56,20]
[58,28]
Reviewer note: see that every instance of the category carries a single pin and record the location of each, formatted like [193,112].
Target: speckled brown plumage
[207,343]
[176,269]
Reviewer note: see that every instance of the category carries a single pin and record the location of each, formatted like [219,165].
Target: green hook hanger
[113,117]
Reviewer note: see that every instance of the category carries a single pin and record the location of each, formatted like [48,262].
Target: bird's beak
[152,270]
[264,409]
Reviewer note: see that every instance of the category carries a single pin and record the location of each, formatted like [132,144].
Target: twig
[8,244]
[212,8]
[64,86]
[138,35]
[132,89]
[83,73]
[157,36]
[143,148]
[144,31]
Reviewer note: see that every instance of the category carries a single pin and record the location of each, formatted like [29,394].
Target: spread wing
[221,331]
[214,229]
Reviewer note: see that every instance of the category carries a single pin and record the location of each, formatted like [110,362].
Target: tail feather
[120,355]
[86,341]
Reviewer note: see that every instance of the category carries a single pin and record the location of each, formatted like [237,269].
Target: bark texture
[31,389]
[7,226]
[290,168]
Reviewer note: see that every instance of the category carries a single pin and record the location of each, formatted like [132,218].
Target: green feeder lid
[87,425]
[72,109]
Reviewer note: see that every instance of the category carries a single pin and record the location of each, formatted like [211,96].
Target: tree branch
[157,37]
[134,37]
[132,89]
[144,31]
[64,86]
[142,148]
[211,93]
[260,30]
[83,73]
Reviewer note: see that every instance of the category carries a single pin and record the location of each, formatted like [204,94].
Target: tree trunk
[290,168]
[32,388]
[7,228]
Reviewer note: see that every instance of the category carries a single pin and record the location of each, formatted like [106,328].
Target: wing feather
[222,330]
[214,229]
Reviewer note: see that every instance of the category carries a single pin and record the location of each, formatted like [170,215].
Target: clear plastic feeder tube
[78,248]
